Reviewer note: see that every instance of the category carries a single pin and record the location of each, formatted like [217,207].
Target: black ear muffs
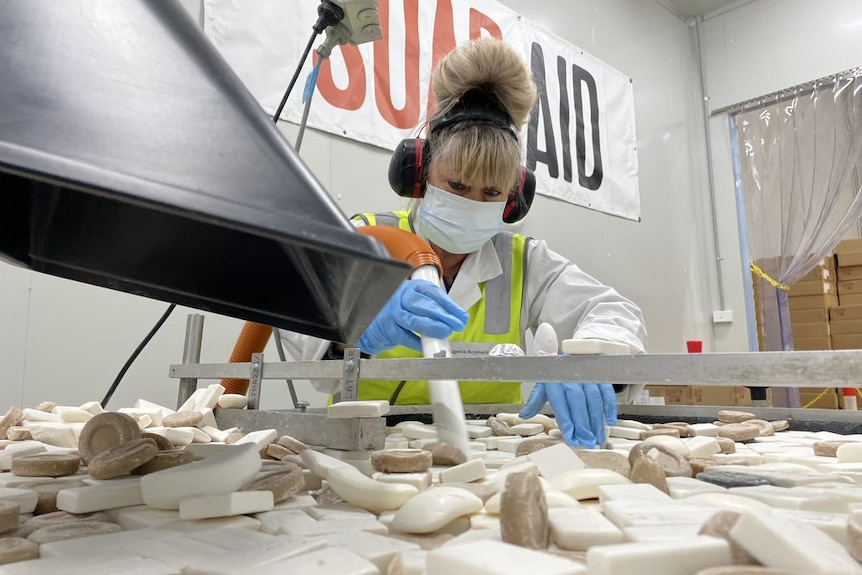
[407,178]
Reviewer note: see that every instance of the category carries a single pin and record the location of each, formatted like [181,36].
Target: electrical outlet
[723,316]
[362,19]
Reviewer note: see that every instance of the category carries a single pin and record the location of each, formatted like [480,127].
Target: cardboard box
[713,395]
[820,273]
[810,315]
[845,327]
[851,245]
[818,329]
[848,273]
[816,287]
[812,343]
[850,299]
[808,394]
[850,341]
[845,312]
[849,259]
[813,301]
[849,287]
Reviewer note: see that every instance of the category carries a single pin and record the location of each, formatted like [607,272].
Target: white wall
[76,337]
[757,49]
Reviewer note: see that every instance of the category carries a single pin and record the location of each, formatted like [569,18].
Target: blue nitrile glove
[418,306]
[580,408]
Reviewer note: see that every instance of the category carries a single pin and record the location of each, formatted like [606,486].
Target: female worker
[468,179]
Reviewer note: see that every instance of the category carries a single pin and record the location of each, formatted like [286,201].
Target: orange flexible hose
[402,245]
[252,339]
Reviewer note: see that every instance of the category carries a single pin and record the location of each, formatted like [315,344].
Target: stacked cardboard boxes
[846,320]
[703,395]
[810,300]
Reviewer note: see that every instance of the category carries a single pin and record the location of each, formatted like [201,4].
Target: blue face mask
[456,224]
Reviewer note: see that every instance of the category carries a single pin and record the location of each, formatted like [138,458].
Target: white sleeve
[300,347]
[577,305]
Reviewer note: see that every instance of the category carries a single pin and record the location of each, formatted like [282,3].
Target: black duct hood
[133,158]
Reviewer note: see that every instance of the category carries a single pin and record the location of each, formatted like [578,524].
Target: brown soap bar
[445,454]
[730,416]
[284,483]
[296,460]
[739,431]
[165,460]
[68,531]
[46,406]
[292,444]
[233,438]
[669,431]
[647,470]
[719,525]
[499,428]
[780,425]
[596,459]
[854,537]
[828,448]
[58,518]
[524,512]
[10,515]
[122,459]
[726,444]
[18,433]
[47,492]
[401,461]
[277,451]
[183,419]
[529,446]
[106,431]
[13,418]
[14,549]
[674,464]
[766,428]
[162,442]
[46,465]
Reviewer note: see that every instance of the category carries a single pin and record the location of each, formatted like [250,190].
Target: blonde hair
[480,152]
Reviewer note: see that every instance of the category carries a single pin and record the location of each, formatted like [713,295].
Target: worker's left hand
[580,408]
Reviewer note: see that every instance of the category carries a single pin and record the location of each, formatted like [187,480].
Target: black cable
[328,14]
[135,355]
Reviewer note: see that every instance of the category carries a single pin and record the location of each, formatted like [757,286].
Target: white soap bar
[408,563]
[73,414]
[419,431]
[705,429]
[724,500]
[421,481]
[99,564]
[527,429]
[260,438]
[476,432]
[177,436]
[774,540]
[25,498]
[93,407]
[701,446]
[130,541]
[672,443]
[498,478]
[222,473]
[209,419]
[24,448]
[632,492]
[486,557]
[832,524]
[627,513]
[584,483]
[39,415]
[272,522]
[681,557]
[155,414]
[196,525]
[143,517]
[321,464]
[362,491]
[377,549]
[144,404]
[553,498]
[340,510]
[593,347]
[326,561]
[669,532]
[682,487]
[209,398]
[464,473]
[330,526]
[624,432]
[555,460]
[434,508]
[361,409]
[110,494]
[579,528]
[849,453]
[787,498]
[510,444]
[226,504]
[232,401]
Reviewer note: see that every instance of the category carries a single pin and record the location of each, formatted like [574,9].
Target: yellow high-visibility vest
[494,319]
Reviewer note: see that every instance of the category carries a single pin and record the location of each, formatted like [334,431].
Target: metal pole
[191,354]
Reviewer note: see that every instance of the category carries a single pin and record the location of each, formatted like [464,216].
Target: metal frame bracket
[254,381]
[350,377]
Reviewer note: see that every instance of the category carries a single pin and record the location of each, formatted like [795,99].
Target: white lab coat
[556,291]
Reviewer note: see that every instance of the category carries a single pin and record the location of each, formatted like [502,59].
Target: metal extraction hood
[133,158]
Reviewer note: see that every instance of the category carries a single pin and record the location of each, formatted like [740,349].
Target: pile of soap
[132,494]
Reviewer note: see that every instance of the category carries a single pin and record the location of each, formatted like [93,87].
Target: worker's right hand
[417,307]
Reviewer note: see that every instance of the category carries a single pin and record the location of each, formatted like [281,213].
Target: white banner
[580,140]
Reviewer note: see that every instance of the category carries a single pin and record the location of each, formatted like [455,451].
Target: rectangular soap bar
[486,557]
[361,409]
[680,557]
[105,495]
[226,504]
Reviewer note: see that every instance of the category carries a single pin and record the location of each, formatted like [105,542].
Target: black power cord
[328,14]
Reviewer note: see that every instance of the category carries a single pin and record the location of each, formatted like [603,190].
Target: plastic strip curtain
[799,169]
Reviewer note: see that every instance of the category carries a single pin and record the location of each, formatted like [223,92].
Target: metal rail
[773,369]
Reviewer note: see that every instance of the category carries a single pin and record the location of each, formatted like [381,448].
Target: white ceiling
[692,8]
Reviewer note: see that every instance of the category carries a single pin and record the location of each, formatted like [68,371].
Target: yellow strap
[756,269]
[818,398]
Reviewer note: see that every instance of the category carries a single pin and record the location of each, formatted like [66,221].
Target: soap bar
[107,495]
[401,460]
[579,528]
[354,487]
[486,557]
[524,512]
[183,419]
[593,347]
[464,473]
[122,459]
[68,531]
[682,557]
[555,460]
[282,483]
[15,549]
[25,498]
[360,409]
[226,504]
[46,465]
[105,431]
[433,508]
[584,483]
[222,473]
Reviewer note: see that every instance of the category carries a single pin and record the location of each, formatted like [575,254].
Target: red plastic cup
[694,346]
